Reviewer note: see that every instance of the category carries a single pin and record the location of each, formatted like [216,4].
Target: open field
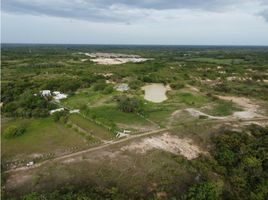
[91,127]
[43,138]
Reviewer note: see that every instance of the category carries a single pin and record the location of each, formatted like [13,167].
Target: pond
[155,92]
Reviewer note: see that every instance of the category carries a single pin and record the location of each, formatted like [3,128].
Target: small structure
[58,96]
[56,110]
[125,133]
[45,93]
[75,111]
[56,93]
[29,164]
[122,87]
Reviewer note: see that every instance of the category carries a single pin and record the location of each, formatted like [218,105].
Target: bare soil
[250,109]
[166,142]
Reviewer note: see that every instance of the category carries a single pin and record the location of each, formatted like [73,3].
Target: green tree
[14,131]
[61,116]
[204,191]
[108,89]
[129,105]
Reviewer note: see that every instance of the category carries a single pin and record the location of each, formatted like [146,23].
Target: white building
[122,87]
[45,93]
[75,111]
[58,96]
[125,133]
[56,110]
[29,164]
[56,93]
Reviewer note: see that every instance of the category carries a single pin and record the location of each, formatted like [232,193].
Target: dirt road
[112,142]
[106,144]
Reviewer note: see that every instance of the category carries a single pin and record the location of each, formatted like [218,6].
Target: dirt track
[109,143]
[106,144]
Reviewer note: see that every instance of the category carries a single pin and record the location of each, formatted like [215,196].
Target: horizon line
[114,44]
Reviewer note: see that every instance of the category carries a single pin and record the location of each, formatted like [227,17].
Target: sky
[164,22]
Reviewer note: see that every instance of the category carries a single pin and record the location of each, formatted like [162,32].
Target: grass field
[222,108]
[186,99]
[90,127]
[42,136]
[109,115]
[85,97]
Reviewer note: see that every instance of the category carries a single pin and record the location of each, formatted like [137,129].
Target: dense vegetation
[239,164]
[26,105]
[243,161]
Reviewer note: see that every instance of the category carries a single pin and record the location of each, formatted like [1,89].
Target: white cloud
[234,22]
[123,10]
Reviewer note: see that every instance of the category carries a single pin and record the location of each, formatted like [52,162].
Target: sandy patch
[114,58]
[155,92]
[241,101]
[196,113]
[166,142]
[110,82]
[192,88]
[246,114]
[117,61]
[106,61]
[250,109]
[106,75]
[260,123]
[71,160]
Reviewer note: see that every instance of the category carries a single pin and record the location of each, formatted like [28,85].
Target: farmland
[110,142]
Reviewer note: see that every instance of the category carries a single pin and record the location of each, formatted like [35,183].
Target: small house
[58,96]
[45,93]
[122,87]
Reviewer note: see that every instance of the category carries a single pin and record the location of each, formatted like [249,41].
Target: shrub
[129,105]
[99,86]
[14,131]
[108,90]
[135,84]
[61,116]
[204,191]
[177,86]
